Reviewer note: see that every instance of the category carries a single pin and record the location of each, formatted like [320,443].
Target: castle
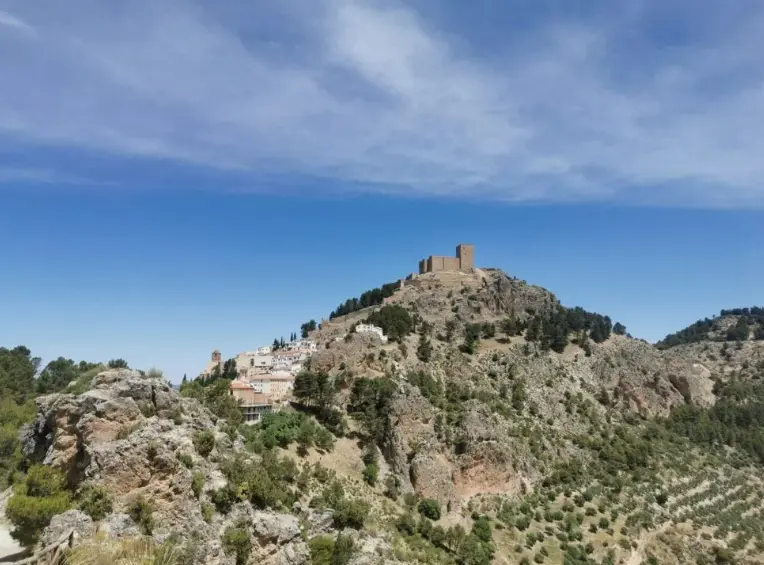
[464,261]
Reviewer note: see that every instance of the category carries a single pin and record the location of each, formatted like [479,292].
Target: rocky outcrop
[73,522]
[128,434]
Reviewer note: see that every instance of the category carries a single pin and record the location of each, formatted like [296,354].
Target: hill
[739,324]
[495,425]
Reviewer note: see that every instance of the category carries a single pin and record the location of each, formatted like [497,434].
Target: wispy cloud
[10,21]
[644,106]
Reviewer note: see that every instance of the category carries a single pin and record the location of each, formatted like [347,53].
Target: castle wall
[450,264]
[464,261]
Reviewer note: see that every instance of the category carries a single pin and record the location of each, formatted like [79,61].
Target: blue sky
[173,174]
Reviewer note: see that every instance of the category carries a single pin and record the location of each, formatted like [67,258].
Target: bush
[95,502]
[237,541]
[321,550]
[204,442]
[522,523]
[186,459]
[351,514]
[371,473]
[197,484]
[343,550]
[392,487]
[40,496]
[142,513]
[207,511]
[429,508]
[406,524]
[394,320]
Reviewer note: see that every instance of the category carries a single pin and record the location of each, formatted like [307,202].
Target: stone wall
[464,261]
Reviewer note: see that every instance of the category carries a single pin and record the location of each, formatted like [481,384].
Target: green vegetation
[267,484]
[424,349]
[237,541]
[213,393]
[58,374]
[17,374]
[204,442]
[429,508]
[12,416]
[750,321]
[394,320]
[197,483]
[285,428]
[369,298]
[142,513]
[370,404]
[308,327]
[735,419]
[326,551]
[94,501]
[36,499]
[551,329]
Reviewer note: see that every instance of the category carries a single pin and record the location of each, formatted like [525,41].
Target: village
[265,376]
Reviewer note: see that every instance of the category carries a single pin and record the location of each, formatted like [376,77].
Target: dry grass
[132,551]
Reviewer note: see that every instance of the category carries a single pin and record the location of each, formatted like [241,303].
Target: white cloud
[15,23]
[375,97]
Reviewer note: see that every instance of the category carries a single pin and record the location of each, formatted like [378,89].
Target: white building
[371,329]
[302,344]
[276,385]
[263,350]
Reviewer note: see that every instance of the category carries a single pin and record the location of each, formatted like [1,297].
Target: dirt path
[8,545]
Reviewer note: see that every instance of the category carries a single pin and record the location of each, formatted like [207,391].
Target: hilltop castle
[464,261]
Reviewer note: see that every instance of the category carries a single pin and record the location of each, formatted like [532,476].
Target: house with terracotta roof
[254,405]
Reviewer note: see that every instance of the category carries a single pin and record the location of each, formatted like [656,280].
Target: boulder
[61,526]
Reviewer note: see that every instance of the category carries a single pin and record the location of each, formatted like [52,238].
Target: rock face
[475,442]
[126,434]
[70,522]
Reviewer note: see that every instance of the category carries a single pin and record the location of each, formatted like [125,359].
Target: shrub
[40,496]
[406,524]
[207,511]
[236,541]
[522,523]
[321,550]
[343,550]
[482,529]
[351,514]
[186,459]
[370,473]
[392,487]
[142,513]
[204,442]
[197,483]
[429,508]
[95,502]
